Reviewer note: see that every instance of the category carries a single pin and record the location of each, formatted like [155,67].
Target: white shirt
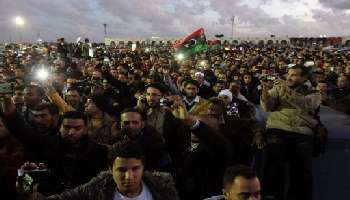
[144,195]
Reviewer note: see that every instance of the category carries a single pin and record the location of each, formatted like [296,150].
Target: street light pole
[233,21]
[105,29]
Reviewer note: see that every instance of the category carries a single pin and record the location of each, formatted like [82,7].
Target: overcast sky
[145,18]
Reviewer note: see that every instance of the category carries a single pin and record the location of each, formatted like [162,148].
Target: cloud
[145,18]
[336,4]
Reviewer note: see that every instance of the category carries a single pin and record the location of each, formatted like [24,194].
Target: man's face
[247,79]
[338,70]
[127,174]
[322,88]
[132,124]
[243,189]
[19,73]
[347,70]
[44,118]
[225,99]
[199,78]
[73,97]
[343,82]
[218,87]
[294,77]
[96,75]
[191,90]
[153,96]
[114,73]
[31,97]
[91,108]
[18,97]
[72,130]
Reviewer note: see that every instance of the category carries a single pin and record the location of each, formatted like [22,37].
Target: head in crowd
[297,75]
[73,128]
[154,92]
[18,97]
[241,183]
[127,161]
[216,108]
[33,95]
[225,96]
[343,82]
[132,122]
[73,97]
[46,115]
[191,88]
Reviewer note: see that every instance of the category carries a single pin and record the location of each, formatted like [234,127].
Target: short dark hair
[134,110]
[233,172]
[192,82]
[159,86]
[75,115]
[52,108]
[126,149]
[73,88]
[304,70]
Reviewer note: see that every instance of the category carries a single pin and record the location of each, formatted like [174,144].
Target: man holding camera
[156,107]
[126,179]
[71,155]
[290,128]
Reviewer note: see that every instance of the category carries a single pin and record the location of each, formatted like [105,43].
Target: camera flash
[42,74]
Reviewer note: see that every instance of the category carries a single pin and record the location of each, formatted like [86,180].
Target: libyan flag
[193,43]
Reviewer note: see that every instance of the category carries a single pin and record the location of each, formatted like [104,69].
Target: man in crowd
[156,106]
[240,183]
[133,127]
[194,103]
[293,106]
[33,95]
[47,118]
[70,154]
[198,168]
[126,179]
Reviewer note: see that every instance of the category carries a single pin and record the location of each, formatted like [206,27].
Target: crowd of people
[145,123]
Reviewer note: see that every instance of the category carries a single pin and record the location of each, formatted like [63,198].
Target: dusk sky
[171,18]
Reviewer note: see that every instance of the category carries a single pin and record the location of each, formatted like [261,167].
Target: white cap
[227,93]
[199,74]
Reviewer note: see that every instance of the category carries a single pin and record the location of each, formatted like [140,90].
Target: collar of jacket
[195,100]
[157,186]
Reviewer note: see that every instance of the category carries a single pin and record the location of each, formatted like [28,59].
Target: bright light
[180,56]
[19,21]
[147,50]
[203,63]
[42,74]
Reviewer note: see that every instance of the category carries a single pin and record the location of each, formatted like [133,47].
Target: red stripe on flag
[178,43]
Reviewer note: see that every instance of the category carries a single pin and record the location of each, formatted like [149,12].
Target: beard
[130,133]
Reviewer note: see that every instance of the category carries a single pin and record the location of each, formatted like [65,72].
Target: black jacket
[205,165]
[69,167]
[103,187]
[153,146]
[177,137]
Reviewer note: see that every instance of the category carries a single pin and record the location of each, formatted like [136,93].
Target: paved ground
[332,170]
